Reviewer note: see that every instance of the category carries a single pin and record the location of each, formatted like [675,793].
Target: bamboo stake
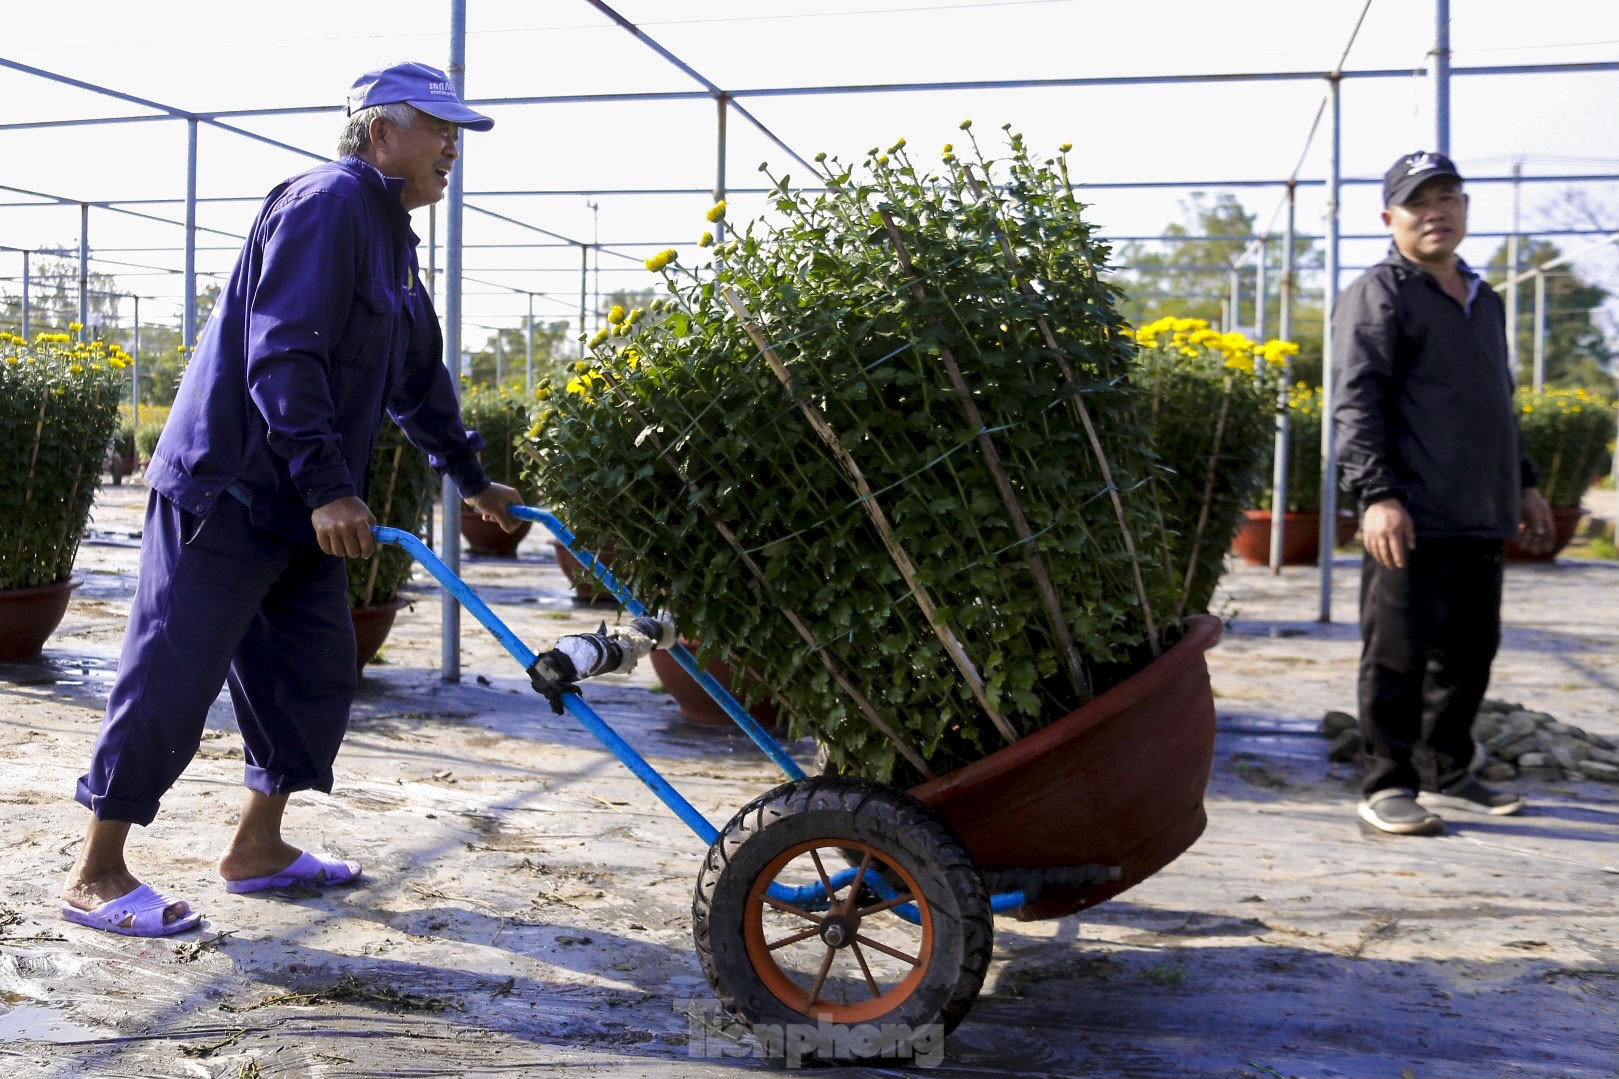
[387,506]
[879,519]
[33,458]
[1084,418]
[1009,499]
[1208,495]
[911,756]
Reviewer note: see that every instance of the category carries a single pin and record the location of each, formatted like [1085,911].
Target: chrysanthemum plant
[884,450]
[1212,416]
[1303,488]
[58,408]
[402,490]
[1568,434]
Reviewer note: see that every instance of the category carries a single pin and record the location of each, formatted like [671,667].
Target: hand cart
[847,920]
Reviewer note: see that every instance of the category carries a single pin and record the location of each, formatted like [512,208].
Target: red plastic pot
[1565,522]
[1301,536]
[1119,782]
[696,706]
[28,616]
[371,627]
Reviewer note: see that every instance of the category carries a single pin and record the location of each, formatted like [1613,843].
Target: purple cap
[427,88]
[1403,178]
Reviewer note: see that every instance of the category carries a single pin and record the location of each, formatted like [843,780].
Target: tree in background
[503,358]
[53,297]
[1578,353]
[1187,275]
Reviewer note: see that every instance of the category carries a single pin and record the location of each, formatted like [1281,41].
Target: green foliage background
[58,407]
[401,493]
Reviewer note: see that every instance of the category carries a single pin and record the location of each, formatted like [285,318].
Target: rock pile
[1511,742]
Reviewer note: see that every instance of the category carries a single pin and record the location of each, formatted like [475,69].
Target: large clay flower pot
[488,538]
[1565,522]
[1301,536]
[696,706]
[586,588]
[371,628]
[1117,782]
[30,615]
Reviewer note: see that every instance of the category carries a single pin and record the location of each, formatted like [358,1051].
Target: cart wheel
[846,978]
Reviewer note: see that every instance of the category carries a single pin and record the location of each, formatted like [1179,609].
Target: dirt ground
[526,906]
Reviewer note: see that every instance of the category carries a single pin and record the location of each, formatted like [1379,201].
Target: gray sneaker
[1469,794]
[1395,810]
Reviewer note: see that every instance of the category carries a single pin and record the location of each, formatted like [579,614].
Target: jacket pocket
[373,319]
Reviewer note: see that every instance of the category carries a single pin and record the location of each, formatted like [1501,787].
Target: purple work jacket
[324,325]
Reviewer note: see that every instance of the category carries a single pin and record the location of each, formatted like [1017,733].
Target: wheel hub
[838,930]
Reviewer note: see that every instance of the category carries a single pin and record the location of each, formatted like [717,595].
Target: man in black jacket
[1428,442]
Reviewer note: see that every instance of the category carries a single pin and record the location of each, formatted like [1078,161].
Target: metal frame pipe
[1278,497]
[188,334]
[1329,444]
[1540,331]
[450,526]
[1441,76]
[84,269]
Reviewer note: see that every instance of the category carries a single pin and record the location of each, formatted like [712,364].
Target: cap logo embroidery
[1422,163]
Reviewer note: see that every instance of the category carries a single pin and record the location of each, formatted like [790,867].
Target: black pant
[1428,636]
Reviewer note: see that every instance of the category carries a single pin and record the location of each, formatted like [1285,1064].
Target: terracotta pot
[696,706]
[120,465]
[1119,781]
[1301,536]
[1565,522]
[30,615]
[371,627]
[586,589]
[490,540]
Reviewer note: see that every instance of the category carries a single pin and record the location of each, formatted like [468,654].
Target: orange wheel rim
[852,960]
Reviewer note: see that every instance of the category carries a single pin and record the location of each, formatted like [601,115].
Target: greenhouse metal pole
[1278,497]
[1260,296]
[584,287]
[1540,330]
[1329,445]
[1234,280]
[188,331]
[1512,275]
[25,300]
[135,367]
[450,527]
[84,267]
[723,101]
[1441,76]
[528,369]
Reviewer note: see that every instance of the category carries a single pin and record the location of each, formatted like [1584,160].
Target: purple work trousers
[218,601]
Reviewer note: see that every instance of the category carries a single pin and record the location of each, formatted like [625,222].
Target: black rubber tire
[936,986]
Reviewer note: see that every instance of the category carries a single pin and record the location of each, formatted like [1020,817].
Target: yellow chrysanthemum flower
[717,211]
[616,314]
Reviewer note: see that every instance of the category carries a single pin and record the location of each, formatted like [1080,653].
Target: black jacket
[1423,404]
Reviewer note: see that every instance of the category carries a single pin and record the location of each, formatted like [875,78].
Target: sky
[211,57]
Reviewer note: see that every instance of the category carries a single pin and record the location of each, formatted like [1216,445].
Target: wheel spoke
[826,881]
[820,978]
[783,905]
[794,939]
[876,991]
[859,876]
[886,950]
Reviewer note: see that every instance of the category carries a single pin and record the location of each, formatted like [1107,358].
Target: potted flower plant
[501,417]
[1212,413]
[887,450]
[121,452]
[58,408]
[1301,522]
[401,493]
[1568,434]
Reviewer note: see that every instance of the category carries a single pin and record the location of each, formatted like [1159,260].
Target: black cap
[1410,172]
